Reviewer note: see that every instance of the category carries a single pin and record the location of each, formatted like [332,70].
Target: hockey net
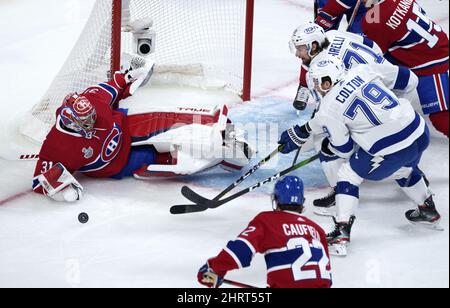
[198,43]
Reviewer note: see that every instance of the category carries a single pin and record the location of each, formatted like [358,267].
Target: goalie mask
[79,115]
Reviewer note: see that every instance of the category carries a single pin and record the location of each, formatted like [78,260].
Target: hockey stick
[28,157]
[296,156]
[316,9]
[355,12]
[239,284]
[184,209]
[204,202]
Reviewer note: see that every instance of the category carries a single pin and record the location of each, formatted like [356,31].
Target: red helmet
[78,114]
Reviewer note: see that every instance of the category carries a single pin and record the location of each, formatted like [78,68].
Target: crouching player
[92,137]
[380,135]
[295,247]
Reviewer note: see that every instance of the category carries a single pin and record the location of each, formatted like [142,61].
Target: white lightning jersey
[355,50]
[361,110]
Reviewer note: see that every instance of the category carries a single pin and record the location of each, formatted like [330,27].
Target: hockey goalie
[93,137]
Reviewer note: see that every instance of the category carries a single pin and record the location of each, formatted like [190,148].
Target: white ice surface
[131,239]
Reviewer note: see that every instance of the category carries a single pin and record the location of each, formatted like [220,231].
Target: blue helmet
[289,191]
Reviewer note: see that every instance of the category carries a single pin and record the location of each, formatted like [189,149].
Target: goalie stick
[202,203]
[182,209]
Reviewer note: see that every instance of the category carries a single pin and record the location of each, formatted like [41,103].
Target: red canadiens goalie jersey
[102,155]
[408,36]
[295,250]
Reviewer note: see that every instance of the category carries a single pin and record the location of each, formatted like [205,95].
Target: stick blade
[186,209]
[197,199]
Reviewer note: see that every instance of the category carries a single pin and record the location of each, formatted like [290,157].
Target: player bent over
[309,41]
[295,247]
[92,137]
[380,135]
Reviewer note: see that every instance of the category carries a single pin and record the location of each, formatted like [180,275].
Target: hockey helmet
[289,191]
[78,114]
[323,66]
[307,34]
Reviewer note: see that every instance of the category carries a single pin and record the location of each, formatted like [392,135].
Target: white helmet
[325,65]
[306,35]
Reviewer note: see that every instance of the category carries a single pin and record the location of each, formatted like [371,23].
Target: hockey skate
[326,206]
[426,215]
[339,238]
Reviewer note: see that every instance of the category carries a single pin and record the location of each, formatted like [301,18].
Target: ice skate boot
[425,215]
[326,206]
[339,238]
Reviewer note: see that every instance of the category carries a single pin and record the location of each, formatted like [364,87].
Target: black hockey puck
[83,218]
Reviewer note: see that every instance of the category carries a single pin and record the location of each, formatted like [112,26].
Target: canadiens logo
[111,146]
[88,153]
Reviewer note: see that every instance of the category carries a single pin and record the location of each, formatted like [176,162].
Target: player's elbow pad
[344,151]
[59,185]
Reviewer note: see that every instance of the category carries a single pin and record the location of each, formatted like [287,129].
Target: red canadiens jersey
[102,155]
[302,78]
[295,250]
[408,36]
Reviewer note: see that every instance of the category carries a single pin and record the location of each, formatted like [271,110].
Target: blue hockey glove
[294,138]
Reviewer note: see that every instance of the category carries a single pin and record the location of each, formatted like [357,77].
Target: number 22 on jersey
[312,262]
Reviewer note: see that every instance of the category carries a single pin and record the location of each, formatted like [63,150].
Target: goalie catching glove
[294,138]
[60,185]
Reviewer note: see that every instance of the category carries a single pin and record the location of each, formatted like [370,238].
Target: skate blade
[329,212]
[436,226]
[339,250]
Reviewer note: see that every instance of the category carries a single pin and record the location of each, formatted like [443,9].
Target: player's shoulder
[341,35]
[264,216]
[271,216]
[358,71]
[301,219]
[329,106]
[268,215]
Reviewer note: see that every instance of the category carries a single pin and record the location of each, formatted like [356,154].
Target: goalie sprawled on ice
[92,137]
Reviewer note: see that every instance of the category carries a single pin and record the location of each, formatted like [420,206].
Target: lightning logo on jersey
[376,163]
